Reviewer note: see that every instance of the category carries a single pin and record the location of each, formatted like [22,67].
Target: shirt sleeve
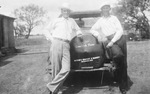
[95,28]
[119,30]
[76,28]
[48,31]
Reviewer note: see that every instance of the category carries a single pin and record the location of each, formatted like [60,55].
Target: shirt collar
[106,17]
[64,18]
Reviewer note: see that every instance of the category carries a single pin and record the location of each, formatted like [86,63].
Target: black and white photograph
[74,46]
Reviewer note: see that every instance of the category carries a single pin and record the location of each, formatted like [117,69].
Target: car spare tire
[86,52]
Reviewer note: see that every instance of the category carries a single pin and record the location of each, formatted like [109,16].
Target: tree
[29,17]
[133,14]
[19,29]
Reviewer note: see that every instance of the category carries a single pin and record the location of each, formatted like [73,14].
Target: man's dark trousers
[118,53]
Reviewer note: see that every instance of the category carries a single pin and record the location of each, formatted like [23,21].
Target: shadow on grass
[3,63]
[21,50]
[4,60]
[29,52]
[77,82]
[88,80]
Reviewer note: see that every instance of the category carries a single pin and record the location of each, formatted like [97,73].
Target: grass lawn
[24,73]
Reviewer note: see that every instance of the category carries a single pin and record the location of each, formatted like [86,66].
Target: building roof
[3,15]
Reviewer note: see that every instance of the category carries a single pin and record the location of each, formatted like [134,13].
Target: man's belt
[64,40]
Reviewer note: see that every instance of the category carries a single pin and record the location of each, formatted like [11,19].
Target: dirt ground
[24,72]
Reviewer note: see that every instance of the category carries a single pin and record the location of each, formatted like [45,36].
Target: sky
[52,6]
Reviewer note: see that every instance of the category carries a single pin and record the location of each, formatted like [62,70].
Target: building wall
[7,31]
[1,32]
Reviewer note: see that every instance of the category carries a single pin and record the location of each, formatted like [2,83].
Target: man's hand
[110,44]
[50,39]
[79,34]
[47,38]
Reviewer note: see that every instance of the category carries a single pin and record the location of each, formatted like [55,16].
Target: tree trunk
[27,36]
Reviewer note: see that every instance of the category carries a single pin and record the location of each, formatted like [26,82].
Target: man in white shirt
[108,30]
[61,31]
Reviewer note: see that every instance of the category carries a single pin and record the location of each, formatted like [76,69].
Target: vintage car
[87,54]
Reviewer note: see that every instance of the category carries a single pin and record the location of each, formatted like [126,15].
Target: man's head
[105,9]
[65,10]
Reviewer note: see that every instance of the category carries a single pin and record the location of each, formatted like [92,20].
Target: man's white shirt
[62,28]
[107,26]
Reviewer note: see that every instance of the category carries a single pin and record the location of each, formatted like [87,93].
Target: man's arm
[48,31]
[96,31]
[119,30]
[118,34]
[76,28]
[95,28]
